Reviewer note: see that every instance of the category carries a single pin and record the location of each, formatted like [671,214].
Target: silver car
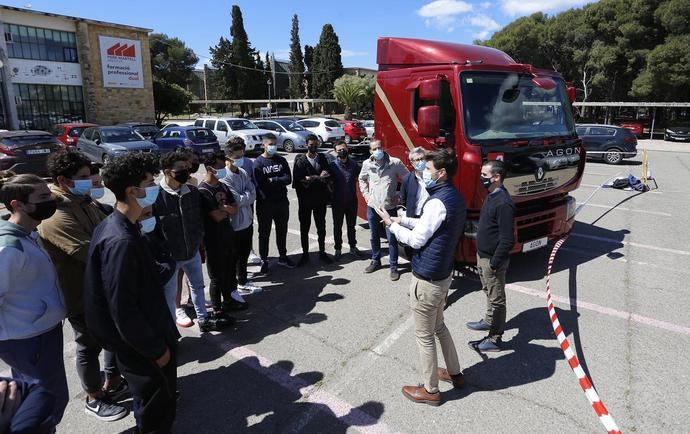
[102,144]
[290,135]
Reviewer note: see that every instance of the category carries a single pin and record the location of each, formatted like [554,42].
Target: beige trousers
[427,300]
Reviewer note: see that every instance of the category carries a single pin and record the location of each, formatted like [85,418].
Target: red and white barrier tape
[599,408]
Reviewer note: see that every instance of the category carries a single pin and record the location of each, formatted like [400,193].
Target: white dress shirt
[422,195]
[417,232]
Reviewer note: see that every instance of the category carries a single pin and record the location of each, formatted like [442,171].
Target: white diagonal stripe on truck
[394,117]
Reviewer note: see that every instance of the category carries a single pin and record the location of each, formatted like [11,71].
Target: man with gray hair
[413,192]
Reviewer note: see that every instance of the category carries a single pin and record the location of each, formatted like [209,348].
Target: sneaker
[338,254]
[286,262]
[395,274]
[234,305]
[303,259]
[486,345]
[253,259]
[248,289]
[373,266]
[480,325]
[120,393]
[213,324]
[354,251]
[325,258]
[221,315]
[105,410]
[182,319]
[235,295]
[264,267]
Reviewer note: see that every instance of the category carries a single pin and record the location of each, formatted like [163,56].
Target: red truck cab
[486,106]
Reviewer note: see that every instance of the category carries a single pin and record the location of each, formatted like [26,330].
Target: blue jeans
[192,268]
[375,228]
[40,360]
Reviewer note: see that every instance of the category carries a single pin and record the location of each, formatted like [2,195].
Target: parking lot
[327,348]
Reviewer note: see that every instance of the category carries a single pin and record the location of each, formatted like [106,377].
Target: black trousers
[277,212]
[349,214]
[88,352]
[220,264]
[153,389]
[243,246]
[308,208]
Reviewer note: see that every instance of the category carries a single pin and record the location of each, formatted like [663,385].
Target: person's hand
[10,399]
[163,360]
[307,178]
[385,217]
[325,174]
[396,219]
[230,209]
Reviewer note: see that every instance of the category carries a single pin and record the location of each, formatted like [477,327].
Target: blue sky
[358,23]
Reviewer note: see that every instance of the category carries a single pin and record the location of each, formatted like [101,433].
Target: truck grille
[531,187]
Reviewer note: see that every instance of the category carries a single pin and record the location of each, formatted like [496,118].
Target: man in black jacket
[495,238]
[124,305]
[311,178]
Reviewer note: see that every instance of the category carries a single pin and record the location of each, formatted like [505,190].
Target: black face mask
[486,182]
[343,153]
[43,210]
[195,168]
[312,148]
[181,176]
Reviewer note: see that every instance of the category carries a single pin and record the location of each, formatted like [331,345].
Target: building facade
[59,69]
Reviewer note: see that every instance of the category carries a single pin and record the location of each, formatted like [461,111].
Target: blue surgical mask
[239,162]
[272,149]
[378,154]
[428,180]
[81,187]
[148,225]
[97,193]
[221,173]
[419,166]
[150,198]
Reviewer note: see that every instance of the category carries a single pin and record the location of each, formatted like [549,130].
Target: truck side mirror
[428,121]
[430,90]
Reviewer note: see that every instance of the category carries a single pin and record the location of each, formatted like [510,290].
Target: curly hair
[128,171]
[168,160]
[66,162]
[211,158]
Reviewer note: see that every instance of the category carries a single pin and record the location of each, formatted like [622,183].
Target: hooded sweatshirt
[31,302]
[242,187]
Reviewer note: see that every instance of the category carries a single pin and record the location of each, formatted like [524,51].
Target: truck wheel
[288,146]
[613,156]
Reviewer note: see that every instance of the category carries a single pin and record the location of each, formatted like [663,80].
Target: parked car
[177,124]
[369,126]
[354,131]
[102,144]
[607,142]
[636,127]
[199,140]
[290,135]
[69,133]
[148,131]
[327,130]
[677,132]
[27,151]
[227,128]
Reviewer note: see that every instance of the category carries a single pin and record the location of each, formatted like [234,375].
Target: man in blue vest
[431,236]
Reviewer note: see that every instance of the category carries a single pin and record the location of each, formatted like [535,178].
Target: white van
[227,128]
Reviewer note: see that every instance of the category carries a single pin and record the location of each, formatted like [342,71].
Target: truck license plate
[535,244]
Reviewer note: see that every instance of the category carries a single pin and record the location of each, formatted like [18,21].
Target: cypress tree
[296,67]
[327,63]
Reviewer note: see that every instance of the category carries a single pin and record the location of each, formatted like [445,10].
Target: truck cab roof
[407,51]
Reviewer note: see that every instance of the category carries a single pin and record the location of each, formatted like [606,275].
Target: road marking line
[630,243]
[381,348]
[603,310]
[619,208]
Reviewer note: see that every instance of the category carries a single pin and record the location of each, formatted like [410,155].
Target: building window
[41,106]
[24,42]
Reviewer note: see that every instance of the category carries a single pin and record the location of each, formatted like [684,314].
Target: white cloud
[526,7]
[280,54]
[484,34]
[485,5]
[443,13]
[485,22]
[353,53]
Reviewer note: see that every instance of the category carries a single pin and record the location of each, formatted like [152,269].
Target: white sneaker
[253,259]
[248,289]
[182,319]
[235,295]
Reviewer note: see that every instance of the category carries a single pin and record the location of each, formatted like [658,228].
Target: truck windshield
[500,106]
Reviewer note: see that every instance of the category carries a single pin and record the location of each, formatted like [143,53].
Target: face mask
[97,193]
[148,225]
[312,148]
[342,153]
[181,176]
[428,180]
[239,161]
[272,149]
[195,168]
[43,210]
[81,187]
[150,198]
[419,166]
[221,173]
[486,182]
[378,154]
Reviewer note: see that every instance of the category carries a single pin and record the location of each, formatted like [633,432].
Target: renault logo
[539,174]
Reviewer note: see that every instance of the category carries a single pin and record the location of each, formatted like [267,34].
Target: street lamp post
[269,83]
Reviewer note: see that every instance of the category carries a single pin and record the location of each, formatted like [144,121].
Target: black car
[608,142]
[147,130]
[677,132]
[27,151]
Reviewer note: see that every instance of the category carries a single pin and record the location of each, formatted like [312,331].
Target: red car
[68,134]
[635,127]
[354,131]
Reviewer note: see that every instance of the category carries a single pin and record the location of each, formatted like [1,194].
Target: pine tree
[308,60]
[296,67]
[327,64]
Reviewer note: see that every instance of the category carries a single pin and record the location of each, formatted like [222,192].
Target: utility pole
[205,88]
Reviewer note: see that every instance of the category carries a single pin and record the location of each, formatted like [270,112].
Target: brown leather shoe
[457,380]
[419,395]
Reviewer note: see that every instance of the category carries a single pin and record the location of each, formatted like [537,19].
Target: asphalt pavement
[326,348]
